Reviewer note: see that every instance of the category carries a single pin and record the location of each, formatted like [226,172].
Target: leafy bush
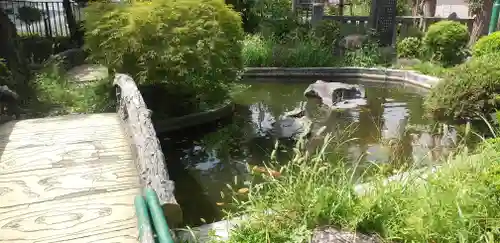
[410,47]
[29,15]
[447,41]
[469,90]
[431,69]
[327,32]
[37,48]
[410,31]
[487,44]
[60,95]
[369,55]
[192,44]
[166,40]
[5,75]
[305,52]
[276,18]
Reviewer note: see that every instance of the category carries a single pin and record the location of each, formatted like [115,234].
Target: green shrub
[487,44]
[29,15]
[429,68]
[5,74]
[410,47]
[410,31]
[305,52]
[37,48]
[60,95]
[327,32]
[166,40]
[367,56]
[470,90]
[193,44]
[256,51]
[446,41]
[276,18]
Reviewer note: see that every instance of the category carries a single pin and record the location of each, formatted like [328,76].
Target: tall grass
[60,95]
[458,203]
[302,52]
[268,52]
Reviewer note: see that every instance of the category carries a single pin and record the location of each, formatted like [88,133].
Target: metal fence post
[318,10]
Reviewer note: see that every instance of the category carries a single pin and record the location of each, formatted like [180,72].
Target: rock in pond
[336,95]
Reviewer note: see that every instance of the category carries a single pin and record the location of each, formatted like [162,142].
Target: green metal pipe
[159,221]
[144,225]
[494,17]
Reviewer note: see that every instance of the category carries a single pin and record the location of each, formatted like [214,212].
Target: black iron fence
[44,18]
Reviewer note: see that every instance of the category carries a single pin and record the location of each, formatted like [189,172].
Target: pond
[204,159]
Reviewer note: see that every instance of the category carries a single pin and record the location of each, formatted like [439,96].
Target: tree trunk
[429,7]
[482,17]
[11,52]
[415,7]
[70,20]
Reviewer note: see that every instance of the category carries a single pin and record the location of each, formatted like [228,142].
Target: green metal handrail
[494,17]
[144,224]
[148,209]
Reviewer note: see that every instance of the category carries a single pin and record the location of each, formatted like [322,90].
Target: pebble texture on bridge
[67,179]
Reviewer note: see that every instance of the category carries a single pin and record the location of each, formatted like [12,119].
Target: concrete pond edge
[222,228]
[373,74]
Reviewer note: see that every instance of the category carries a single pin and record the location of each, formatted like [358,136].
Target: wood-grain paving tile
[67,179]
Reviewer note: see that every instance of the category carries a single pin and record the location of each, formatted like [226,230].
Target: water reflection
[388,129]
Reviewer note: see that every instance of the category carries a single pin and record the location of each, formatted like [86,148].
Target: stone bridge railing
[146,149]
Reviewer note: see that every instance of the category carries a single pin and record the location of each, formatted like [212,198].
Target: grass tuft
[458,203]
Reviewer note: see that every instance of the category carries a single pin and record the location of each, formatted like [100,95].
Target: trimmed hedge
[470,90]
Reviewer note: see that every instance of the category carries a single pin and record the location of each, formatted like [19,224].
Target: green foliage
[305,51]
[250,18]
[475,5]
[409,47]
[447,41]
[276,18]
[450,204]
[190,44]
[5,74]
[37,48]
[469,90]
[166,40]
[367,56]
[431,69]
[262,52]
[327,32]
[60,95]
[410,31]
[29,15]
[487,44]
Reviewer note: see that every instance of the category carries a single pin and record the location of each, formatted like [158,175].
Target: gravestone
[383,20]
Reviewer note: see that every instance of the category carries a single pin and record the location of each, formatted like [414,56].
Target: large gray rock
[335,94]
[332,234]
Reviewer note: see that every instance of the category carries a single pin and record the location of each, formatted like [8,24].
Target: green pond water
[204,159]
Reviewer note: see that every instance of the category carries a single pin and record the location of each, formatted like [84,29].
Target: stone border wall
[375,74]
